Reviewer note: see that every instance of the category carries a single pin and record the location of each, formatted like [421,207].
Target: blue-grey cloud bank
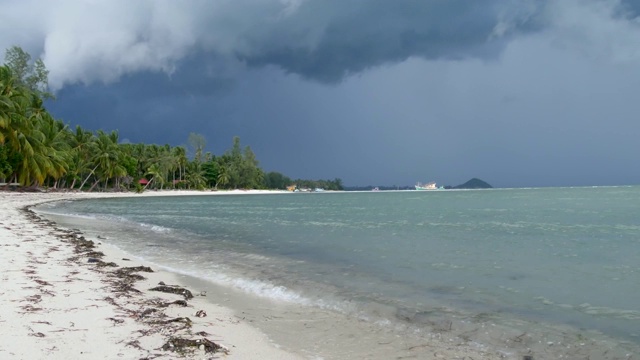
[376,92]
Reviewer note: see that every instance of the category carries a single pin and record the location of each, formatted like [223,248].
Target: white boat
[427,186]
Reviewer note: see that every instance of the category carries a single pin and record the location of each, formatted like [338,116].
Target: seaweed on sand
[128,274]
[148,312]
[184,320]
[95,254]
[181,303]
[101,263]
[81,244]
[124,297]
[160,323]
[124,289]
[132,269]
[181,345]
[174,290]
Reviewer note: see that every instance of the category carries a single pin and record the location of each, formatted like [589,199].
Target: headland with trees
[39,151]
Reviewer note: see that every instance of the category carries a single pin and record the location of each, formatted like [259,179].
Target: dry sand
[56,304]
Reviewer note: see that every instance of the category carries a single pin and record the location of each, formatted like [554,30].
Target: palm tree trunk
[93,186]
[88,176]
[149,183]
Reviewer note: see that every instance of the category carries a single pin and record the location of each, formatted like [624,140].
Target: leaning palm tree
[105,158]
[156,175]
[82,145]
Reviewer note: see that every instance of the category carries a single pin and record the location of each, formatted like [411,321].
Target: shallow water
[549,258]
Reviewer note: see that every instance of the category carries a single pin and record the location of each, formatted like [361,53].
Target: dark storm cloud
[518,93]
[630,8]
[364,34]
[324,40]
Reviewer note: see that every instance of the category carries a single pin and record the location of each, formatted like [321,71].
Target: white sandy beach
[55,307]
[56,303]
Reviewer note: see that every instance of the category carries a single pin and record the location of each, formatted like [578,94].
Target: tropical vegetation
[37,150]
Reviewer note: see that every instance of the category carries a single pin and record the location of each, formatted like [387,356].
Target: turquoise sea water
[559,256]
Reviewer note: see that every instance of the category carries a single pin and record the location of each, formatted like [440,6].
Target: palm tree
[156,175]
[82,143]
[14,103]
[30,142]
[26,128]
[223,176]
[106,158]
[56,147]
[180,157]
[36,149]
[7,105]
[195,176]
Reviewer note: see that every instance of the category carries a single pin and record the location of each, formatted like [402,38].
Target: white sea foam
[269,290]
[220,275]
[72,215]
[255,287]
[155,228]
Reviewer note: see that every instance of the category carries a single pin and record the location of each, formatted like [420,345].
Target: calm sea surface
[559,256]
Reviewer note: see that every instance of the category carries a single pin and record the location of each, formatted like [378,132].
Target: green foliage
[211,171]
[238,169]
[34,76]
[17,60]
[335,184]
[129,163]
[195,176]
[276,180]
[9,160]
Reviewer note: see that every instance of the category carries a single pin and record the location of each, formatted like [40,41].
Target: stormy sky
[376,92]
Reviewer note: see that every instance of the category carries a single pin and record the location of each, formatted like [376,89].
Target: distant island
[474,183]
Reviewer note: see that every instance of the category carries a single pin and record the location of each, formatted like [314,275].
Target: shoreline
[84,298]
[62,297]
[253,327]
